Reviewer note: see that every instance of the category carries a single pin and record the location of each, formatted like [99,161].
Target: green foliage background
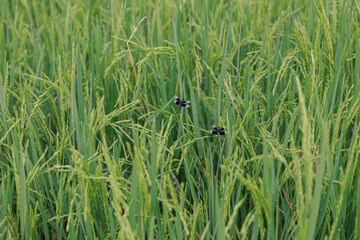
[92,145]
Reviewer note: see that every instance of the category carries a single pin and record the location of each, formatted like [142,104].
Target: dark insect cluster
[218,131]
[186,104]
[181,103]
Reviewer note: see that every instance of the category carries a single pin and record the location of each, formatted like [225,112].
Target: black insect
[218,131]
[181,103]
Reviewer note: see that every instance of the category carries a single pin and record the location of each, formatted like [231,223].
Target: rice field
[108,108]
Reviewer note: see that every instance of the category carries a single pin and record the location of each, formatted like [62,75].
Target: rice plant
[112,116]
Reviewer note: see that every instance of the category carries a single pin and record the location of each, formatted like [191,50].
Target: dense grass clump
[92,145]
